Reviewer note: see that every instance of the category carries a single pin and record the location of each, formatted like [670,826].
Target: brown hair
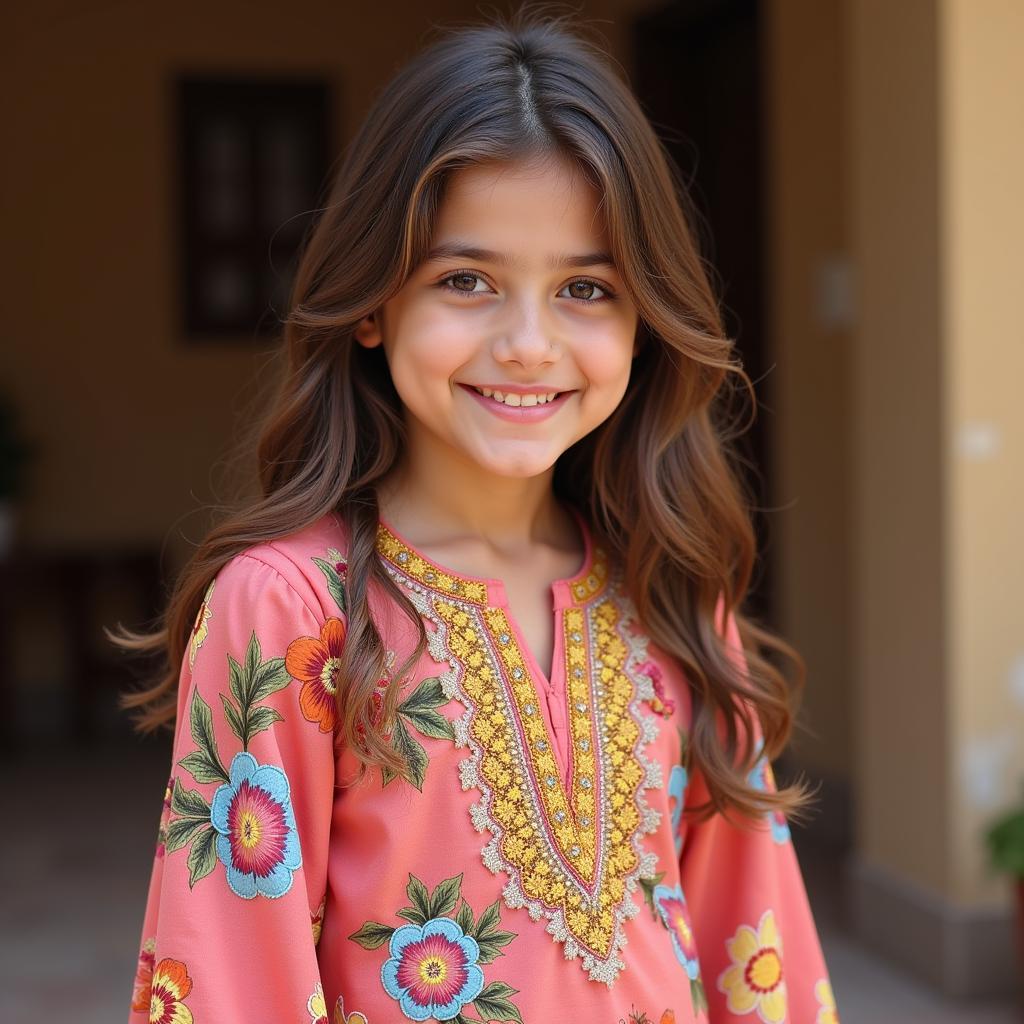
[657,479]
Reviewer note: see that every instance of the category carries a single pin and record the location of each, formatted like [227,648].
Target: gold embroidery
[416,567]
[572,853]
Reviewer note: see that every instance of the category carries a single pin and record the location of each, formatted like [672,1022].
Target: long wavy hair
[659,479]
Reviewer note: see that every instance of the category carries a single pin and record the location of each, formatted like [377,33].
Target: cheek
[606,360]
[430,348]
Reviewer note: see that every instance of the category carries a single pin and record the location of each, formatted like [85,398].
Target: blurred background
[857,167]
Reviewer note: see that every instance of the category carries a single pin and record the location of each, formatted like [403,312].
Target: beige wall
[901,659]
[937,219]
[982,217]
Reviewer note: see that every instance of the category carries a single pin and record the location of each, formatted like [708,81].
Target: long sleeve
[759,953]
[239,875]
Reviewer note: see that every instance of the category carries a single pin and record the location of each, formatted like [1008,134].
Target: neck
[462,501]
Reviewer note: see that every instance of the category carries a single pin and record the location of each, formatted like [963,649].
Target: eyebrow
[465,251]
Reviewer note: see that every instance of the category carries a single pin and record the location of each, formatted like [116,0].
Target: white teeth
[516,400]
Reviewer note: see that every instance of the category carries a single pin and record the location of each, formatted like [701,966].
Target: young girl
[468,724]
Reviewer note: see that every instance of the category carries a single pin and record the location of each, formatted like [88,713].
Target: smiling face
[518,299]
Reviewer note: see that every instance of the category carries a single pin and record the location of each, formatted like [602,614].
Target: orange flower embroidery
[315,661]
[144,976]
[171,985]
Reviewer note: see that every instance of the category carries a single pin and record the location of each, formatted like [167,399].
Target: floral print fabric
[531,859]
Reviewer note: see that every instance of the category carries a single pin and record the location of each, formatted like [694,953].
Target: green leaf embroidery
[430,723]
[253,656]
[232,716]
[251,683]
[493,1003]
[202,856]
[412,753]
[262,718]
[698,996]
[648,884]
[445,896]
[490,947]
[189,803]
[464,918]
[412,914]
[201,723]
[334,584]
[418,896]
[270,677]
[489,920]
[181,832]
[372,935]
[199,766]
[429,694]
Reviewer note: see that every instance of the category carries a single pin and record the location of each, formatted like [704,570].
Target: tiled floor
[76,857]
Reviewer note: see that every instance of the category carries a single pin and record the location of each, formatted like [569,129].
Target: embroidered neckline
[481,591]
[572,854]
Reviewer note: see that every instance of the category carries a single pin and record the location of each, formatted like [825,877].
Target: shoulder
[307,566]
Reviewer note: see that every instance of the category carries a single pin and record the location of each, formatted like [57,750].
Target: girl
[468,724]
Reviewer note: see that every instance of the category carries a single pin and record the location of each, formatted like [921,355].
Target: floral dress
[529,861]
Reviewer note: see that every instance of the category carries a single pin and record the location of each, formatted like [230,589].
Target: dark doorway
[698,77]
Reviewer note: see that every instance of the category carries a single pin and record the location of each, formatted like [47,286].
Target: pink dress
[529,863]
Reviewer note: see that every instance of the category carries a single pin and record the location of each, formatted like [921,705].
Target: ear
[367,331]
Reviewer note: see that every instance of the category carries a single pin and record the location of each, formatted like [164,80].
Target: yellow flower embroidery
[199,629]
[316,1007]
[754,981]
[355,1017]
[827,1012]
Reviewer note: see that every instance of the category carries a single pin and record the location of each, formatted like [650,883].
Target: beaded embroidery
[572,855]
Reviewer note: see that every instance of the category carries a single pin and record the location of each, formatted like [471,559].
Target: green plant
[1005,839]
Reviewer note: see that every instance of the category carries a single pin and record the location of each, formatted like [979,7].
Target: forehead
[545,203]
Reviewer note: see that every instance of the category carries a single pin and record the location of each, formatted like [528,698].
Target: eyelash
[608,293]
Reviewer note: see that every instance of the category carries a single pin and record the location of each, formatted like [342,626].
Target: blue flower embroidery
[761,777]
[258,842]
[677,780]
[671,905]
[433,969]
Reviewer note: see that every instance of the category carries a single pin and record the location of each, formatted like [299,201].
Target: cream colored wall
[900,655]
[937,219]
[982,212]
[809,390]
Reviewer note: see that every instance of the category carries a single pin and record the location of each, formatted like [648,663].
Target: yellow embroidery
[199,627]
[418,568]
[755,981]
[572,853]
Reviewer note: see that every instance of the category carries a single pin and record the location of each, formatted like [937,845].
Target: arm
[240,871]
[760,956]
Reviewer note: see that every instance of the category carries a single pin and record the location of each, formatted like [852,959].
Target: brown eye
[583,291]
[461,278]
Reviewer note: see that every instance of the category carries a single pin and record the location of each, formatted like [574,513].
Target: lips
[520,413]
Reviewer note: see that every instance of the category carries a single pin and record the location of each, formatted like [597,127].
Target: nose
[526,341]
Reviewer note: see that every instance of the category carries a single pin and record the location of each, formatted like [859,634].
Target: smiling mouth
[517,400]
